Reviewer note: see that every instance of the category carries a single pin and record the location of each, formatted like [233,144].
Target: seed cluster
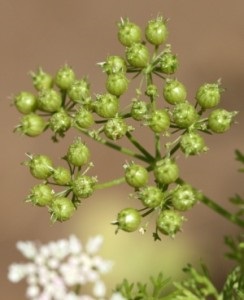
[64,101]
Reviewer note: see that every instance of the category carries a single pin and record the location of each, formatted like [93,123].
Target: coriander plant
[160,106]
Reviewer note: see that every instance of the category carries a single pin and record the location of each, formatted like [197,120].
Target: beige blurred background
[208,37]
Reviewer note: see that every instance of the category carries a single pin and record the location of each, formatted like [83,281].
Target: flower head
[58,270]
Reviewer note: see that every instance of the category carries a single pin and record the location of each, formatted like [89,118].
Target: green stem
[223,212]
[139,147]
[115,146]
[109,183]
[157,145]
[233,218]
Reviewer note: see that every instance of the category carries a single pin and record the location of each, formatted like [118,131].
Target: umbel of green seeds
[41,195]
[78,153]
[25,102]
[83,186]
[41,166]
[166,171]
[32,125]
[169,222]
[61,209]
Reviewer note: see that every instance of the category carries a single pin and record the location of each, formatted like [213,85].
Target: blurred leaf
[236,249]
[197,286]
[240,157]
[234,286]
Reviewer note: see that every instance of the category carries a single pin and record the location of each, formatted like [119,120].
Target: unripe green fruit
[184,197]
[49,100]
[192,143]
[152,91]
[64,77]
[156,31]
[168,62]
[61,209]
[129,33]
[60,122]
[208,95]
[220,120]
[41,166]
[166,171]
[138,110]
[115,128]
[136,175]
[137,55]
[169,222]
[83,186]
[128,219]
[114,64]
[41,195]
[184,115]
[174,91]
[159,120]
[117,84]
[61,176]
[42,80]
[32,125]
[78,153]
[79,90]
[25,102]
[83,118]
[151,196]
[106,105]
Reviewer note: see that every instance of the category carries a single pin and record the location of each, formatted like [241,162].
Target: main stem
[233,218]
[223,212]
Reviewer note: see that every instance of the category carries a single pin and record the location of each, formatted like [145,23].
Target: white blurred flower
[117,296]
[32,291]
[28,249]
[94,244]
[58,267]
[17,272]
[99,289]
[74,245]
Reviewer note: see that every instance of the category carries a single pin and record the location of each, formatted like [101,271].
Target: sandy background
[208,37]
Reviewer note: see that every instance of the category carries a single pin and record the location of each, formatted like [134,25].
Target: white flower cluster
[59,270]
